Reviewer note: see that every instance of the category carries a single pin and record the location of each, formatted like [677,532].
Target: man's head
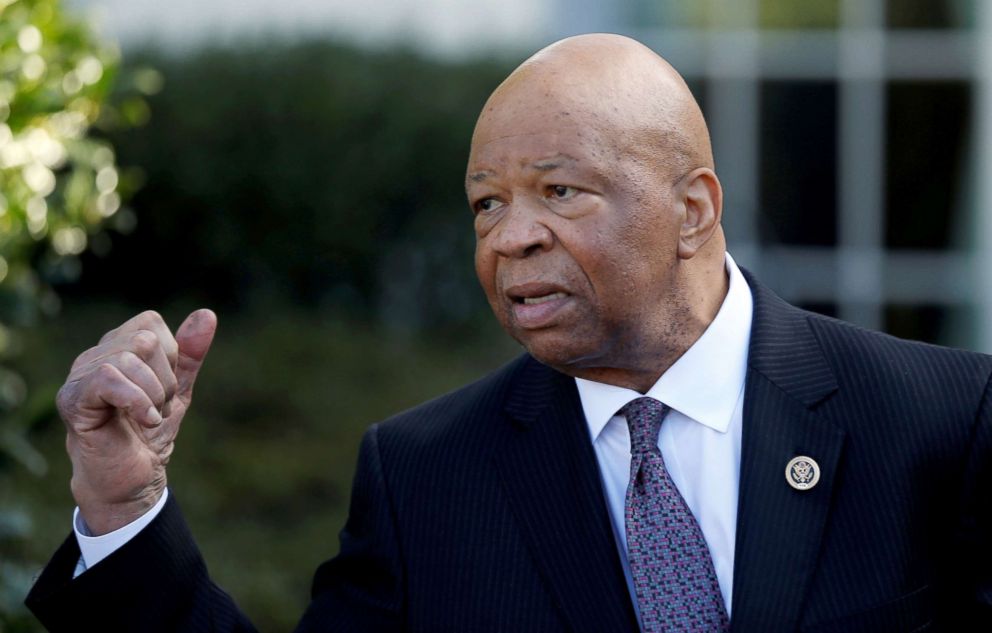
[597,210]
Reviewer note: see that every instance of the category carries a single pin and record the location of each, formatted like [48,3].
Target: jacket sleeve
[975,528]
[157,582]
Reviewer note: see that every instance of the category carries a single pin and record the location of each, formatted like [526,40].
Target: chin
[552,350]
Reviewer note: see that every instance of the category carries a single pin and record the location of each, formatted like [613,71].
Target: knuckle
[106,372]
[65,401]
[129,361]
[150,317]
[144,343]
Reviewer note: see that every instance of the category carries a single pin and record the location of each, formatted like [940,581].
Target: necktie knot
[644,417]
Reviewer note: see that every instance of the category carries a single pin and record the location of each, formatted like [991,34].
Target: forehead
[509,142]
[555,146]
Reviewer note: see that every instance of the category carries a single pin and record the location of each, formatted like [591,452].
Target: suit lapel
[550,474]
[779,529]
[549,471]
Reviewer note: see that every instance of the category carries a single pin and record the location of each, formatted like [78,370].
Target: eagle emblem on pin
[802,472]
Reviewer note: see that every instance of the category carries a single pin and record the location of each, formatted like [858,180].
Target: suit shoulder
[859,354]
[480,401]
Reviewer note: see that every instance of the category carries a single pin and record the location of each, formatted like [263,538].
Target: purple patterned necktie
[676,585]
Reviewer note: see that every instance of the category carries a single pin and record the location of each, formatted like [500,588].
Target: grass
[264,461]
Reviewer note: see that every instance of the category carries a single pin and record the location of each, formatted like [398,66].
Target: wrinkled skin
[605,220]
[122,405]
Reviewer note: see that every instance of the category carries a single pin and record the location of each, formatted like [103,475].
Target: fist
[122,405]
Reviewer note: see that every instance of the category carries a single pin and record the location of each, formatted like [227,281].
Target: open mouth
[537,304]
[541,299]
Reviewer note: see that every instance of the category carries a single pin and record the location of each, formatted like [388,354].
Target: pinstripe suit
[482,510]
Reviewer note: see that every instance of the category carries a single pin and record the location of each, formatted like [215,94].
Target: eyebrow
[547,164]
[552,164]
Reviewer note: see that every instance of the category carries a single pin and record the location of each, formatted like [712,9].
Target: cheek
[485,269]
[602,251]
[624,261]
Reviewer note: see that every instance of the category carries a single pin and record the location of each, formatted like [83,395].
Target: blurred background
[298,167]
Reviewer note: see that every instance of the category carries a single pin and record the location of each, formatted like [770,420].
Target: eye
[487,205]
[562,192]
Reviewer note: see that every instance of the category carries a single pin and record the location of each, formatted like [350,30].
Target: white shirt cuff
[94,549]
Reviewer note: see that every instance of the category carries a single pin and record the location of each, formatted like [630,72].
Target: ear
[702,198]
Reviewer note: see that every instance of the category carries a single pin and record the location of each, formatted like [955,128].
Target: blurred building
[444,27]
[853,137]
[853,141]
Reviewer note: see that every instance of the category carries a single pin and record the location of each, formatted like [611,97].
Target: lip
[536,304]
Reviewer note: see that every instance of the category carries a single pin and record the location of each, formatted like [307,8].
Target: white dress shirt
[700,438]
[94,549]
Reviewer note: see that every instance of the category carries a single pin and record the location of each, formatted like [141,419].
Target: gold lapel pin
[802,472]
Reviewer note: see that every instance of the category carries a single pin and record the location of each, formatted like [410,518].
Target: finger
[165,338]
[109,387]
[144,344]
[194,337]
[148,320]
[137,322]
[140,373]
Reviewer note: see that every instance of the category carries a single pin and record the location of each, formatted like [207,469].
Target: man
[677,450]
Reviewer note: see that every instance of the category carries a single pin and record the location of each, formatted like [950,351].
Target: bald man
[678,449]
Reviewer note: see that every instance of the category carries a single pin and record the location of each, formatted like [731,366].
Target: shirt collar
[705,383]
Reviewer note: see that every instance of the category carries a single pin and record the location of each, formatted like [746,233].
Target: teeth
[551,297]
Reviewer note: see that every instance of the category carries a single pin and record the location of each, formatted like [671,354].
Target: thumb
[193,337]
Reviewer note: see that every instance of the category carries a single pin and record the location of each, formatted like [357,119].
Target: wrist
[102,517]
[94,549]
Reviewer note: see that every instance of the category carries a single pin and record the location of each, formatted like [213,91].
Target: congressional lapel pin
[802,472]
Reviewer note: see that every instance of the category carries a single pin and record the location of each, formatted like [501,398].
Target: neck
[638,365]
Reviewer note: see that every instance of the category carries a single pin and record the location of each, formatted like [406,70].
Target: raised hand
[122,405]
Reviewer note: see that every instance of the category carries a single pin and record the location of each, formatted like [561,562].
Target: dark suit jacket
[483,510]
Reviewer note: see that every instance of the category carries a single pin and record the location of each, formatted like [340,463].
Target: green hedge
[311,173]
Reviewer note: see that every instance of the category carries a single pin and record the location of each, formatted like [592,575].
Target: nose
[522,232]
